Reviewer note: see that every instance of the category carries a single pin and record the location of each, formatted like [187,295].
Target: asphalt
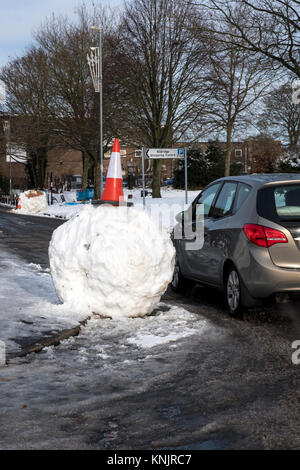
[28,236]
[233,388]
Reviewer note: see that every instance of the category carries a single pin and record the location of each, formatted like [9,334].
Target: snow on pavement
[163,210]
[108,343]
[64,211]
[29,306]
[30,310]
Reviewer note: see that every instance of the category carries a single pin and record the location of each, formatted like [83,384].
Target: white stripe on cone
[114,168]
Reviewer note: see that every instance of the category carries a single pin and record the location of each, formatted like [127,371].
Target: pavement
[230,384]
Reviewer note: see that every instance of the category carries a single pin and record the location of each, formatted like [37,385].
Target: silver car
[251,247]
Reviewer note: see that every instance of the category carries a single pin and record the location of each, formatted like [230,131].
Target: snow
[162,210]
[73,396]
[70,196]
[165,328]
[63,397]
[150,340]
[113,261]
[32,202]
[30,311]
[290,158]
[29,306]
[63,211]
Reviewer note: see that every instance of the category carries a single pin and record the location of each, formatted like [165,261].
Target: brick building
[63,163]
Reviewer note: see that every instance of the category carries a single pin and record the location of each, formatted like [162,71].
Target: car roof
[260,179]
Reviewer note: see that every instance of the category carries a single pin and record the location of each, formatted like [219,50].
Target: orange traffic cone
[113,191]
[19,204]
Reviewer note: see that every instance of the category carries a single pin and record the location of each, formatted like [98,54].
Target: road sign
[165,153]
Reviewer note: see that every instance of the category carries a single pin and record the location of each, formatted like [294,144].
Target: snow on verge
[113,261]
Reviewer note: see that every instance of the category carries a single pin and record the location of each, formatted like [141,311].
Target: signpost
[176,153]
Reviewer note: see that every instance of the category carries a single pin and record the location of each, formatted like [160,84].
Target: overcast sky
[19,18]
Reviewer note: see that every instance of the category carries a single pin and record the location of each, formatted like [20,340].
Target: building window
[238,153]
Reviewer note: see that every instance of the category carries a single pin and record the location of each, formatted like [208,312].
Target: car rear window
[279,203]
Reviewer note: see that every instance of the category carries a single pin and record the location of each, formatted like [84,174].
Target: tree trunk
[156,178]
[85,169]
[228,152]
[41,164]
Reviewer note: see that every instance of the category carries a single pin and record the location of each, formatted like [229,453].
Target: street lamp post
[95,63]
[6,128]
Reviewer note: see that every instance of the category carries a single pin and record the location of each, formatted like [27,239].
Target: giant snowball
[113,261]
[32,202]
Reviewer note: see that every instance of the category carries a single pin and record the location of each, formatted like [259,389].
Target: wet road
[234,386]
[28,236]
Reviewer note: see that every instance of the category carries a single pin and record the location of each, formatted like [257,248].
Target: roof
[260,179]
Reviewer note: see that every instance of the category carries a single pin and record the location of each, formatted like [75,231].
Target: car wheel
[233,292]
[179,283]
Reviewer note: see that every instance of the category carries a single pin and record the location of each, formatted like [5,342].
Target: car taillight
[274,236]
[264,236]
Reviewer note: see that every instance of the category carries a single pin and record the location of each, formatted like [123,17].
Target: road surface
[226,384]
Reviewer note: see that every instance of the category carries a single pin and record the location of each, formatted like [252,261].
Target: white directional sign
[178,153]
[165,153]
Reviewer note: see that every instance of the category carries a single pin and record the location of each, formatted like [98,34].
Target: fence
[9,200]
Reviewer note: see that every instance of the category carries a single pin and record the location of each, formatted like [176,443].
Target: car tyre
[179,283]
[233,293]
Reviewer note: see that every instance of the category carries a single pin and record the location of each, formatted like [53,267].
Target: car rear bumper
[263,278]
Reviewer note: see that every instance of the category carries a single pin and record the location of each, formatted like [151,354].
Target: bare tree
[268,27]
[238,80]
[281,117]
[164,73]
[75,105]
[28,101]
